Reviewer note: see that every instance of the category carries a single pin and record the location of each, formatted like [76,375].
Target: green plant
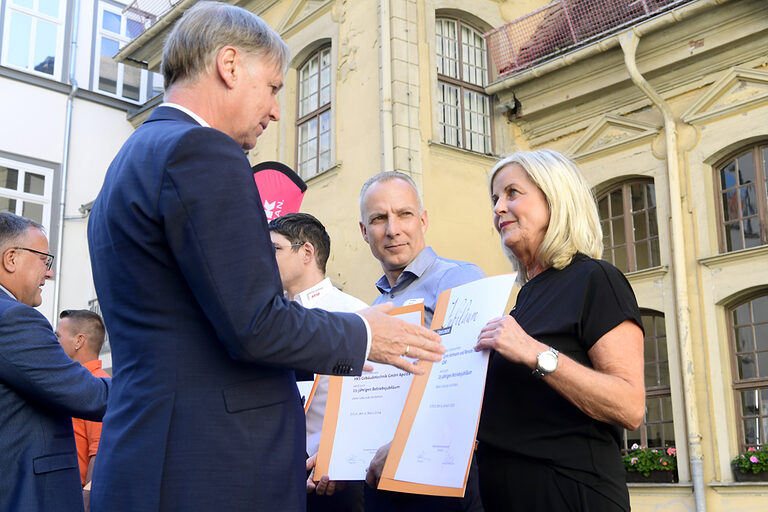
[754,460]
[644,460]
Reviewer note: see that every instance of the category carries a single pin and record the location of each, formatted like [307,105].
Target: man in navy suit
[41,388]
[204,412]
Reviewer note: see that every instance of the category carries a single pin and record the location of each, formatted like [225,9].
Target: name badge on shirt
[413,301]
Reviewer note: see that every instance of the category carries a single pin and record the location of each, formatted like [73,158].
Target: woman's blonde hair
[574,225]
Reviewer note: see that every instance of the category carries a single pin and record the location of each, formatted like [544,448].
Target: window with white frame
[113,31]
[33,36]
[313,121]
[464,110]
[26,190]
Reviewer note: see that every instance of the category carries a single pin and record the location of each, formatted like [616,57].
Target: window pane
[748,202]
[655,255]
[746,164]
[33,211]
[762,364]
[664,373]
[742,315]
[653,223]
[134,28]
[7,204]
[49,7]
[446,48]
[45,47]
[642,259]
[157,84]
[651,375]
[24,3]
[744,339]
[733,237]
[617,203]
[638,198]
[638,222]
[746,365]
[620,259]
[19,40]
[111,22]
[731,205]
[9,178]
[602,208]
[131,82]
[448,113]
[107,66]
[34,184]
[728,176]
[618,231]
[761,337]
[751,233]
[760,309]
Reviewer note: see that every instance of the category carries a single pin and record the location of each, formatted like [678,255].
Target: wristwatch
[546,362]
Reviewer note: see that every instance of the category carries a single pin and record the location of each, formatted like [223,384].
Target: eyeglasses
[48,257]
[278,247]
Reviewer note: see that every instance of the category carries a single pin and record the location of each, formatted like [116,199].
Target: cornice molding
[611,132]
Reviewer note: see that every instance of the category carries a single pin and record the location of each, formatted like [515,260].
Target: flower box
[654,477]
[749,476]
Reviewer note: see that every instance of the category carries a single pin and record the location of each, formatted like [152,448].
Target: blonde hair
[207,27]
[574,224]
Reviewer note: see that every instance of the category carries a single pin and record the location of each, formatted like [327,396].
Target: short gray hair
[574,224]
[389,176]
[13,227]
[207,27]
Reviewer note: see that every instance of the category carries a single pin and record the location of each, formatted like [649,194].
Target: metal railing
[560,27]
[147,12]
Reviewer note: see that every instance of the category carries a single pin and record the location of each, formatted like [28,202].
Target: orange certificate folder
[361,413]
[433,445]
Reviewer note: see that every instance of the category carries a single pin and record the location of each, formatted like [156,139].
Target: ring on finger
[407,349]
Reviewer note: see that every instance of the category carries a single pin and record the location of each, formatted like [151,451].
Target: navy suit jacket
[204,412]
[41,388]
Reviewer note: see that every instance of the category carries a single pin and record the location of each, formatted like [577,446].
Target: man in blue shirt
[393,223]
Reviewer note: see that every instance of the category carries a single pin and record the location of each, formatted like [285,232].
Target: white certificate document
[435,439]
[361,414]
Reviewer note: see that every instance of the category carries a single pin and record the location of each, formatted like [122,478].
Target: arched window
[657,429]
[313,124]
[464,110]
[742,183]
[630,230]
[749,344]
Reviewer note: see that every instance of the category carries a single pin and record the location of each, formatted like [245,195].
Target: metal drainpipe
[629,41]
[385,94]
[65,156]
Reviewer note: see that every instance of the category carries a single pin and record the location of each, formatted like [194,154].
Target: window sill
[323,176]
[738,487]
[753,253]
[647,273]
[441,146]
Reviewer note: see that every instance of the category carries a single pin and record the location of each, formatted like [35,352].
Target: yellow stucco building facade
[666,114]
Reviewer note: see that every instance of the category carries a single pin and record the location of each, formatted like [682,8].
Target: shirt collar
[7,291]
[309,297]
[414,270]
[93,365]
[191,114]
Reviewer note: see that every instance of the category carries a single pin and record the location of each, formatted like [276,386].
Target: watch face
[547,361]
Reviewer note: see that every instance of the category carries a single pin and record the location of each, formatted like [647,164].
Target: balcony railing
[562,26]
[147,12]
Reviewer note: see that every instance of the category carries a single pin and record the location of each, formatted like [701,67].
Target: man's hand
[392,338]
[325,486]
[373,473]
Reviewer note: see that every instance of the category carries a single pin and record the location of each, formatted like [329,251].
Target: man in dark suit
[204,412]
[40,387]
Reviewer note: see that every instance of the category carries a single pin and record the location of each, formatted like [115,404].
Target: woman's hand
[506,337]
